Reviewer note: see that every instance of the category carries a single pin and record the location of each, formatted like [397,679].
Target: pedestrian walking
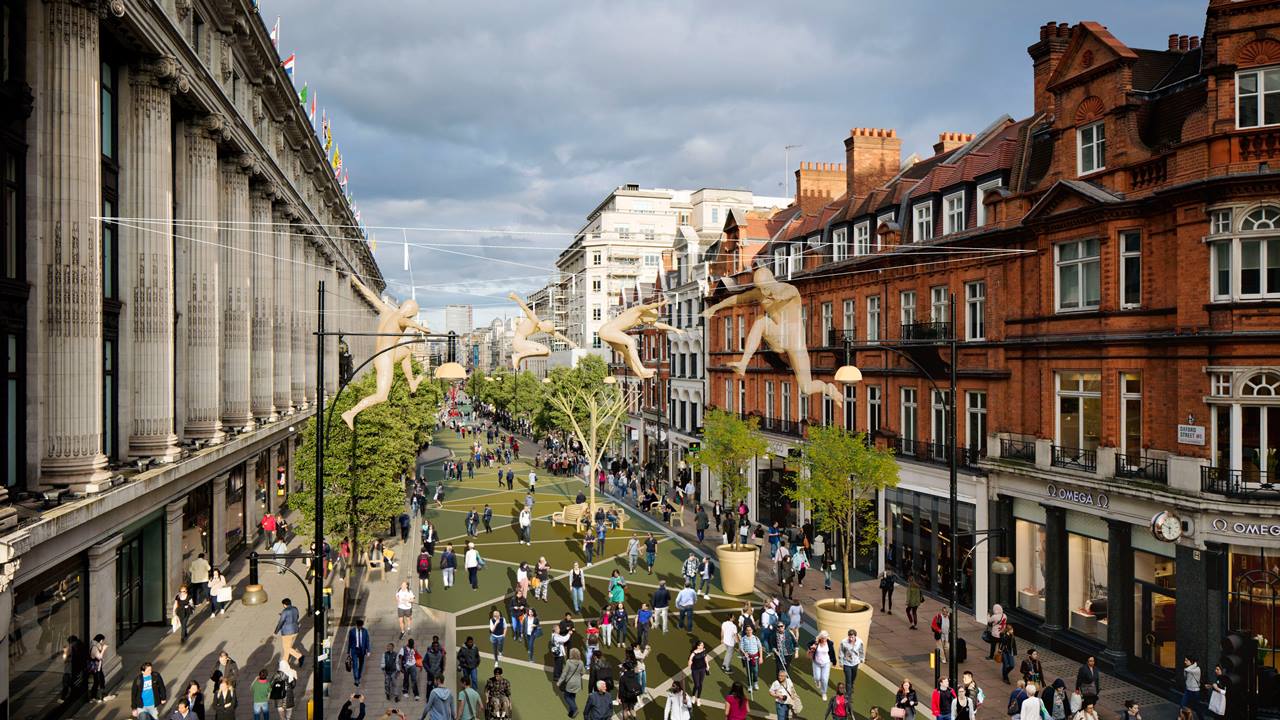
[433,660]
[838,706]
[852,653]
[915,598]
[690,569]
[219,593]
[941,627]
[468,700]
[887,583]
[260,693]
[685,600]
[97,661]
[357,649]
[487,517]
[448,565]
[904,701]
[994,630]
[224,700]
[195,699]
[225,667]
[599,703]
[468,659]
[569,681]
[698,665]
[184,606]
[750,650]
[1191,685]
[148,693]
[287,629]
[526,523]
[541,578]
[497,635]
[283,685]
[473,562]
[650,552]
[785,699]
[1007,652]
[823,654]
[588,544]
[424,571]
[440,702]
[199,571]
[633,553]
[941,699]
[728,640]
[404,527]
[405,598]
[408,662]
[1089,679]
[577,585]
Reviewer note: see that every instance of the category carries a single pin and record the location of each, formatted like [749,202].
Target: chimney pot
[1195,42]
[1173,41]
[1184,43]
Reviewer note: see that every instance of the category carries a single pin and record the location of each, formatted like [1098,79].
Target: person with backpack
[497,696]
[408,662]
[424,571]
[629,690]
[469,660]
[439,703]
[433,660]
[941,627]
[1014,709]
[941,699]
[283,685]
[838,705]
[448,565]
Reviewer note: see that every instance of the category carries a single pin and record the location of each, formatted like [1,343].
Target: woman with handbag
[995,629]
[904,702]
[97,656]
[1007,652]
[1218,695]
[218,590]
[1088,679]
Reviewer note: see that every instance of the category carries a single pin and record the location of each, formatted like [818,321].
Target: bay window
[1245,264]
[1258,97]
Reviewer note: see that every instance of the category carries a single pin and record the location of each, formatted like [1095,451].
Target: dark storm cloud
[525,114]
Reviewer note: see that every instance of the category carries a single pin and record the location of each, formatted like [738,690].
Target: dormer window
[1258,98]
[1091,150]
[862,238]
[953,213]
[923,222]
[839,244]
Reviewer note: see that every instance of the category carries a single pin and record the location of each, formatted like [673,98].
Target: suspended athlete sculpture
[781,327]
[391,319]
[615,334]
[522,347]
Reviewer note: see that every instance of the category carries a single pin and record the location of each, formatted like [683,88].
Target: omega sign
[1247,528]
[1079,497]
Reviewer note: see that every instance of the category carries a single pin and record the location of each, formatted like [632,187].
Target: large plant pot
[836,620]
[738,568]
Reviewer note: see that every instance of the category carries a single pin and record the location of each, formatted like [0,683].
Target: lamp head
[848,375]
[1001,566]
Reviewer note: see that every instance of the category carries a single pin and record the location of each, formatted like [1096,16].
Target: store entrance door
[1156,628]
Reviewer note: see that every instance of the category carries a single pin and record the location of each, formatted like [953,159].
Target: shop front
[919,537]
[1250,547]
[775,480]
[140,576]
[47,610]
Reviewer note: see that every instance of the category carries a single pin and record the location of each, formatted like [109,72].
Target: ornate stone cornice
[214,124]
[183,7]
[248,163]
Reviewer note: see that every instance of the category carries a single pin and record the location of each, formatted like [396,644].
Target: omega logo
[1246,528]
[1079,497]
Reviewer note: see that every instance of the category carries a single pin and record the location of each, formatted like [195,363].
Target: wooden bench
[569,515]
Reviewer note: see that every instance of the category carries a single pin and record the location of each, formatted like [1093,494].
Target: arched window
[1263,218]
[1263,384]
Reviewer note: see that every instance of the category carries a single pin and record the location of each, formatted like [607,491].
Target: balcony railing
[1075,458]
[936,453]
[1239,483]
[780,426]
[1015,449]
[926,332]
[1142,467]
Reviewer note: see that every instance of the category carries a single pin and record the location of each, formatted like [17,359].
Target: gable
[1092,48]
[1067,196]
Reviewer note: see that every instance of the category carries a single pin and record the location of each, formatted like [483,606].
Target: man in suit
[358,649]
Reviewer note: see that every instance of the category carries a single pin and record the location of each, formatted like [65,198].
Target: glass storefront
[1154,606]
[919,541]
[1254,597]
[772,502]
[235,509]
[1087,585]
[262,488]
[140,577]
[196,517]
[1029,539]
[46,611]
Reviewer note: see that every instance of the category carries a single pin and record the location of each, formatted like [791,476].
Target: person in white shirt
[1032,707]
[526,522]
[678,703]
[405,598]
[533,481]
[851,654]
[471,561]
[728,638]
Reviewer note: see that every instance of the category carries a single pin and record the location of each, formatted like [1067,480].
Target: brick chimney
[950,141]
[872,156]
[1045,55]
[818,184]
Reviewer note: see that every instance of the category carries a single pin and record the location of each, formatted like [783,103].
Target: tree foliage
[729,443]
[387,438]
[603,409]
[842,476]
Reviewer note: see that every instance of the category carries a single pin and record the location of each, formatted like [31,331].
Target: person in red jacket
[941,701]
[269,527]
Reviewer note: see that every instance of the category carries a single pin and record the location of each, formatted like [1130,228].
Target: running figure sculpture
[615,334]
[780,326]
[391,319]
[522,347]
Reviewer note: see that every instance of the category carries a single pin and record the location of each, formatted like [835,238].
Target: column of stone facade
[1057,614]
[234,236]
[281,299]
[198,203]
[69,175]
[218,524]
[261,378]
[309,301]
[297,319]
[146,180]
[7,572]
[102,600]
[173,547]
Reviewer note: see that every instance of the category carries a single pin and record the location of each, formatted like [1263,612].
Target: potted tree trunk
[729,443]
[841,477]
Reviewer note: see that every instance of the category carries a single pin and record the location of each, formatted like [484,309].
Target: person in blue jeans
[685,600]
[1190,685]
[148,693]
[577,581]
[358,649]
[497,635]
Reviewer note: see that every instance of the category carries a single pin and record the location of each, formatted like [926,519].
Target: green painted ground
[534,695]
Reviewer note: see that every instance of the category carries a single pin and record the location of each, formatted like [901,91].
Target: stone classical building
[165,213]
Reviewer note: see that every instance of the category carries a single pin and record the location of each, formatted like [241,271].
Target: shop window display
[46,612]
[1087,585]
[1155,610]
[1254,599]
[1029,572]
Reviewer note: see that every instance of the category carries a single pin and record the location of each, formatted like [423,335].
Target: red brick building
[1110,269]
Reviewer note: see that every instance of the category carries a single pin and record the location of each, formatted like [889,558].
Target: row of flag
[307,97]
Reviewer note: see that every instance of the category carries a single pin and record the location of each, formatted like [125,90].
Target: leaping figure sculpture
[400,320]
[522,347]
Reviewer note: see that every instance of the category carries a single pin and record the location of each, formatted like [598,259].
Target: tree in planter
[369,495]
[592,417]
[842,476]
[729,444]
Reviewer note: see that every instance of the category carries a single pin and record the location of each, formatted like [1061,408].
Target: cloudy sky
[524,115]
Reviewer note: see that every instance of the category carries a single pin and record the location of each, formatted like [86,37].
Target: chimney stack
[872,156]
[818,184]
[1195,42]
[1184,43]
[1173,41]
[950,141]
[1045,56]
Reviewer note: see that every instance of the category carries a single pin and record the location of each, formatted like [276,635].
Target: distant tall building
[457,319]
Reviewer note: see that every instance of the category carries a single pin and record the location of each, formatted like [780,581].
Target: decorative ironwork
[1075,458]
